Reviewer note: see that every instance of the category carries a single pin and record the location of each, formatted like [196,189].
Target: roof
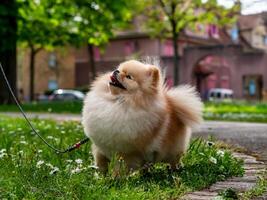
[247,22]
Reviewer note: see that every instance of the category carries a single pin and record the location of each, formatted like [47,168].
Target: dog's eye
[129,77]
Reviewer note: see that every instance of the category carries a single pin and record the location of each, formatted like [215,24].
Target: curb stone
[252,168]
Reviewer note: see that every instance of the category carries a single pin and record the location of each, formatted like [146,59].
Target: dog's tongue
[113,79]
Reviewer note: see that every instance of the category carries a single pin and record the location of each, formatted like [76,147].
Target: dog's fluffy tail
[187,104]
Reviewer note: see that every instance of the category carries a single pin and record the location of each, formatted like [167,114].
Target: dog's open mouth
[114,82]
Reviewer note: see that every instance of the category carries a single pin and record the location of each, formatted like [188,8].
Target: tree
[98,21]
[46,24]
[168,18]
[8,27]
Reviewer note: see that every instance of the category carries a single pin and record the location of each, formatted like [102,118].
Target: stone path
[251,136]
[59,117]
[248,181]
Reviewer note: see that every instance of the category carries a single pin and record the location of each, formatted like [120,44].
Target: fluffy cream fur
[142,121]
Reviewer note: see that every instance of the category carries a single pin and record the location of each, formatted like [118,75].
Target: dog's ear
[154,74]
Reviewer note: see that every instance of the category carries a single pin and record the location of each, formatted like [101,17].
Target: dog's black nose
[116,72]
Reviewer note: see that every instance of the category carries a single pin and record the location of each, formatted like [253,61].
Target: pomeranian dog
[129,112]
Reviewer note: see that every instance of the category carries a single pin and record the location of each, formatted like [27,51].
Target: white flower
[213,160]
[220,153]
[23,142]
[50,137]
[76,170]
[2,150]
[40,151]
[93,166]
[54,170]
[2,155]
[79,161]
[96,175]
[209,143]
[39,163]
[49,165]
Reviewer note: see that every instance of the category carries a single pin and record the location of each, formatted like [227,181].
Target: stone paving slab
[246,178]
[251,166]
[263,197]
[239,186]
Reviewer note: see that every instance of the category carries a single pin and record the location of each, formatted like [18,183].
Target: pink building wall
[239,63]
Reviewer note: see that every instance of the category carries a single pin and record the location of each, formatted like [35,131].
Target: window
[52,60]
[234,33]
[212,94]
[252,86]
[52,85]
[265,40]
[129,48]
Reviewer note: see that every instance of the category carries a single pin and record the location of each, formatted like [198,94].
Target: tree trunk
[8,40]
[91,61]
[32,70]
[175,38]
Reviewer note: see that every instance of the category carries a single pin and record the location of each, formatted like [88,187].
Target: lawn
[30,170]
[234,111]
[74,107]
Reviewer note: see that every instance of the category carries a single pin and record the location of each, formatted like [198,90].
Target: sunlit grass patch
[231,111]
[236,111]
[30,170]
[46,107]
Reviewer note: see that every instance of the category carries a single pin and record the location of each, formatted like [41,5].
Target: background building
[234,58]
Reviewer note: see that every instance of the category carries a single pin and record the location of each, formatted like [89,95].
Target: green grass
[236,107]
[259,189]
[30,170]
[74,107]
[234,111]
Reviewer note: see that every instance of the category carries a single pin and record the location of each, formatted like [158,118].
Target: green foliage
[166,16]
[29,170]
[52,23]
[205,164]
[8,13]
[45,24]
[259,189]
[98,20]
[229,194]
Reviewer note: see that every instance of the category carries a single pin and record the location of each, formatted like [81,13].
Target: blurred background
[51,50]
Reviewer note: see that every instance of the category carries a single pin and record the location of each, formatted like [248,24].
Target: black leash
[70,148]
